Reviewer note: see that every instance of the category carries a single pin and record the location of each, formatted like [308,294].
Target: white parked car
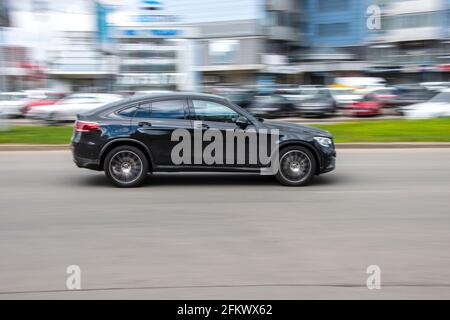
[68,108]
[438,106]
[11,103]
[344,96]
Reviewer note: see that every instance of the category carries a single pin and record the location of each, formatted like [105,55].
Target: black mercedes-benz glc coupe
[176,132]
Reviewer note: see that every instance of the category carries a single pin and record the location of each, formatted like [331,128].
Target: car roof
[152,96]
[171,95]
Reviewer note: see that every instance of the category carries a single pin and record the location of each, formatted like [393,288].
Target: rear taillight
[85,126]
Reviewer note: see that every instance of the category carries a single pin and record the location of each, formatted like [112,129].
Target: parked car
[134,137]
[436,86]
[11,103]
[316,102]
[272,106]
[344,96]
[368,105]
[411,94]
[387,96]
[360,82]
[42,99]
[242,97]
[438,106]
[68,108]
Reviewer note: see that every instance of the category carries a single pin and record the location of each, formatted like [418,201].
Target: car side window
[212,111]
[128,112]
[143,111]
[168,109]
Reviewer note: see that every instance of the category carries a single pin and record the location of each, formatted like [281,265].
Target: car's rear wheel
[126,166]
[297,166]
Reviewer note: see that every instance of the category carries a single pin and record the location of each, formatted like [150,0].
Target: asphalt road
[227,236]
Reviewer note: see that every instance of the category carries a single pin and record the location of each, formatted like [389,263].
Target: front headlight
[325,142]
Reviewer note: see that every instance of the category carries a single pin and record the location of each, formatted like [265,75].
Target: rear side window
[168,109]
[128,112]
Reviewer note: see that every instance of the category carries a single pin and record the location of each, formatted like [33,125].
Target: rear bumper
[84,162]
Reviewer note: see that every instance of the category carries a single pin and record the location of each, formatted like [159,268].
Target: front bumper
[327,158]
[329,163]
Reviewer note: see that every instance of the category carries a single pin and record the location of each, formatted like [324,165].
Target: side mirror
[242,122]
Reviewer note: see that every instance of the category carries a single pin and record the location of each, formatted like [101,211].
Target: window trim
[128,106]
[193,116]
[151,101]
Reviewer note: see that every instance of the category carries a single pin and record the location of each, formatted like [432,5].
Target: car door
[211,117]
[155,122]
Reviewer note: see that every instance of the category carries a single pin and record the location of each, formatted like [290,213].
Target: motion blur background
[365,68]
[239,48]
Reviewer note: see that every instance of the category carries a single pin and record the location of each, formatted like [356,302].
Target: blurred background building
[129,45]
[413,44]
[155,48]
[335,34]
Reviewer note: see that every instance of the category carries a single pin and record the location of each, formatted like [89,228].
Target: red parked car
[46,99]
[368,105]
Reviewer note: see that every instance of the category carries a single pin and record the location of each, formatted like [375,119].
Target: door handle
[202,126]
[144,124]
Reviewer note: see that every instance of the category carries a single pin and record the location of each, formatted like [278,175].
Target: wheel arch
[299,143]
[123,142]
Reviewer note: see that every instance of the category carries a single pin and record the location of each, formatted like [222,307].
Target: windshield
[443,97]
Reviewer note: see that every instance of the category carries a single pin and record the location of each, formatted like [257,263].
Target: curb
[352,145]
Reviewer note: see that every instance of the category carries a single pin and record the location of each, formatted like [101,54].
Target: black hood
[294,127]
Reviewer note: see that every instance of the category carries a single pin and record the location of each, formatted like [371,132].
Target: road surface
[200,236]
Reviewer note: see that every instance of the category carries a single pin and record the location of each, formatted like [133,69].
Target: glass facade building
[335,23]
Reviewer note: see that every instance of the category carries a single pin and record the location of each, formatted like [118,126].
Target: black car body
[137,131]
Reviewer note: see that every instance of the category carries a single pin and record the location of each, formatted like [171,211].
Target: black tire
[297,166]
[126,166]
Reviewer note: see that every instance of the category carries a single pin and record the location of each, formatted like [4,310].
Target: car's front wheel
[126,166]
[297,166]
